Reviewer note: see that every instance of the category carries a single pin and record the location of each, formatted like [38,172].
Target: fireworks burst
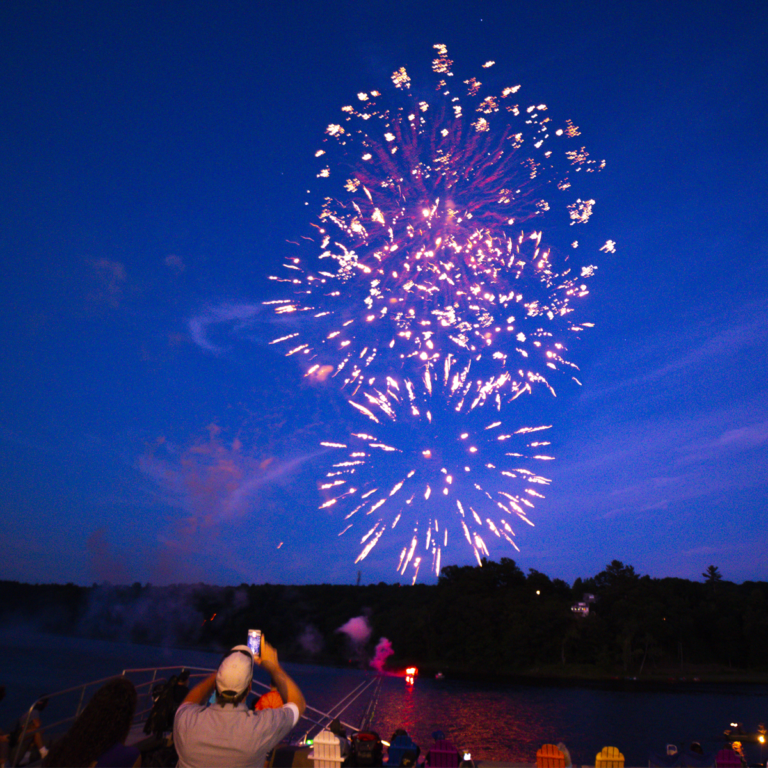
[514,320]
[430,243]
[458,473]
[434,293]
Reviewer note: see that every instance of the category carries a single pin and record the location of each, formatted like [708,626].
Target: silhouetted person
[98,735]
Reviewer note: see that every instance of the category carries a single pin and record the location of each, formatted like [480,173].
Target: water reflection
[493,721]
[510,722]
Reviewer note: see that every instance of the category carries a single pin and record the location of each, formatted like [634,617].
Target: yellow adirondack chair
[549,756]
[609,757]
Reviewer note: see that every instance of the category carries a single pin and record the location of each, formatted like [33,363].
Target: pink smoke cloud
[383,651]
[358,630]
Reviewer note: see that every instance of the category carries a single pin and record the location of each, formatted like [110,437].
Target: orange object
[609,757]
[270,700]
[549,756]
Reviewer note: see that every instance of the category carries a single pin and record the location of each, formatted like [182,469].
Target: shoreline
[661,680]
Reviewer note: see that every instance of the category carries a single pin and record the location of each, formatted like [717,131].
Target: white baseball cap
[235,672]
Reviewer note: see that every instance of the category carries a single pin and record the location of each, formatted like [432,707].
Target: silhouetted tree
[490,619]
[712,574]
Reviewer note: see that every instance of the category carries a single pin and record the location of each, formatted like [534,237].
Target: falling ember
[440,282]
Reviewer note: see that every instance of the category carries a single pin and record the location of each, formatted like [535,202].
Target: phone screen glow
[254,641]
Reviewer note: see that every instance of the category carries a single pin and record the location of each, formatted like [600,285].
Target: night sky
[156,159]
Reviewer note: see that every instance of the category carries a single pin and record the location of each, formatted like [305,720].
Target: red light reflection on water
[509,722]
[489,724]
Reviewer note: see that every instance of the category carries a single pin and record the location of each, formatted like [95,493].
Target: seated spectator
[182,687]
[166,698]
[738,748]
[27,735]
[97,737]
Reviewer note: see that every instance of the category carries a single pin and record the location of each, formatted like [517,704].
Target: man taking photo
[226,734]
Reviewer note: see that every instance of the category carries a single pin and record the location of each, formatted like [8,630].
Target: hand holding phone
[254,642]
[268,659]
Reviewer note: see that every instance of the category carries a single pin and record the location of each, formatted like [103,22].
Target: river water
[493,721]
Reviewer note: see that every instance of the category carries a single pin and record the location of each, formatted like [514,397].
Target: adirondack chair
[326,752]
[443,754]
[549,756]
[609,757]
[727,758]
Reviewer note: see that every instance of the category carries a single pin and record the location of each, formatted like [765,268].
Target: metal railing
[144,679]
[20,747]
[78,694]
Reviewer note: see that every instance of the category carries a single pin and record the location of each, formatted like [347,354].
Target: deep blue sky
[156,159]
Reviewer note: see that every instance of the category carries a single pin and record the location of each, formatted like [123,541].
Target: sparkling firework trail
[425,234]
[456,473]
[430,295]
[514,332]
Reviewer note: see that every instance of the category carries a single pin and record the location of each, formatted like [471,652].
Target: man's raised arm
[288,690]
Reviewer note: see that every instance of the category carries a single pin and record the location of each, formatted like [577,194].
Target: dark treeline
[493,618]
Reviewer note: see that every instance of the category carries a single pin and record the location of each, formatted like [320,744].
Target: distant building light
[581,609]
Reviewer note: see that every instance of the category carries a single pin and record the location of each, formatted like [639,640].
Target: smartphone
[254,641]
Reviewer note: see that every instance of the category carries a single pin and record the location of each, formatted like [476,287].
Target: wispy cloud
[732,441]
[201,326]
[679,473]
[703,346]
[214,481]
[109,278]
[674,422]
[174,263]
